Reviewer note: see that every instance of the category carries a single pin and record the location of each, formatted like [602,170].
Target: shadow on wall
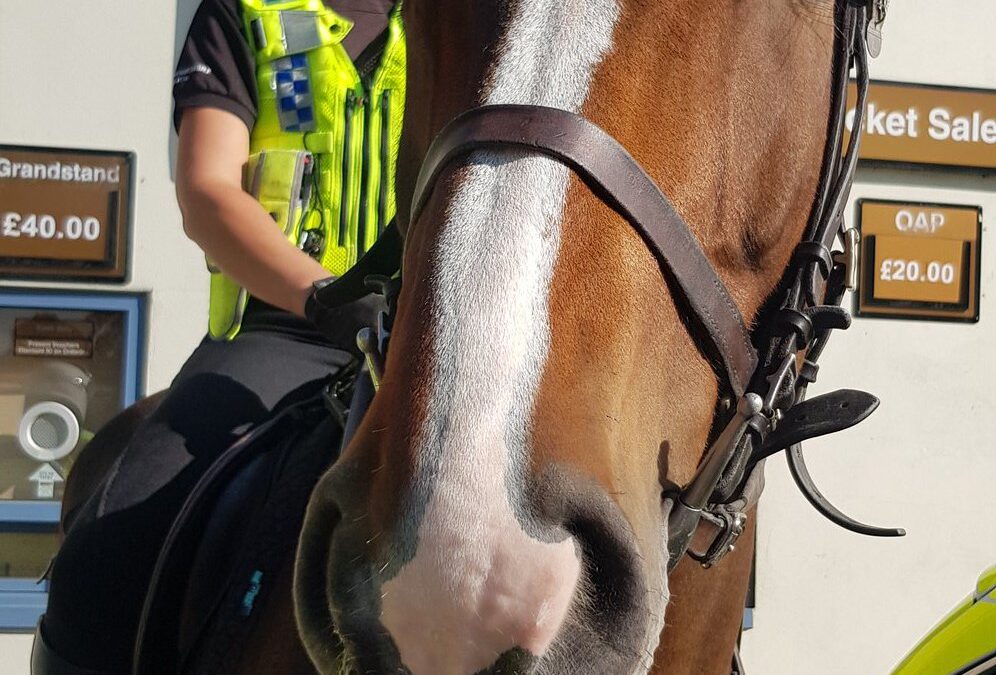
[184,15]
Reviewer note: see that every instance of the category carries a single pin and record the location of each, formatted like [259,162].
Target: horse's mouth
[338,593]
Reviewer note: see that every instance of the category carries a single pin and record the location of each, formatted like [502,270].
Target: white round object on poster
[48,431]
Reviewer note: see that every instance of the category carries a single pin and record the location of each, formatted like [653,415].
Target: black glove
[339,322]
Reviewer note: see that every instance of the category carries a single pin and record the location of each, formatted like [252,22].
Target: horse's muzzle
[553,585]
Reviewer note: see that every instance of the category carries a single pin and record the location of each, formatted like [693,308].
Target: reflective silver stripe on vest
[300,31]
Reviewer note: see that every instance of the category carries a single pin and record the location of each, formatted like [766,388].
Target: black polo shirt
[217,66]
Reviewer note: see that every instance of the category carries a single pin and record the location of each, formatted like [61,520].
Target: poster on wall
[69,362]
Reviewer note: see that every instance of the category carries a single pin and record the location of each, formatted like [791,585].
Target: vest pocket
[280,182]
[347,166]
[297,28]
[274,178]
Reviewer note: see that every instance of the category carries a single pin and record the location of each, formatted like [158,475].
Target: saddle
[237,528]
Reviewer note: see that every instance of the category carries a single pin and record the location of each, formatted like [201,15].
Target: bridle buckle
[873,34]
[731,524]
[849,258]
[372,342]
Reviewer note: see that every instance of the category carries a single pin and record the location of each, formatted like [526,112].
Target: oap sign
[919,261]
[920,220]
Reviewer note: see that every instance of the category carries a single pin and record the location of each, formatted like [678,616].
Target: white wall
[98,74]
[829,601]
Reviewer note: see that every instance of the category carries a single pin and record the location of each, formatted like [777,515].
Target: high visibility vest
[324,148]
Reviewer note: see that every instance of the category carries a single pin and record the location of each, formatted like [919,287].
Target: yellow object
[323,151]
[964,641]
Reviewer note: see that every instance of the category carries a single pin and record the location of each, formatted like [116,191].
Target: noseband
[762,407]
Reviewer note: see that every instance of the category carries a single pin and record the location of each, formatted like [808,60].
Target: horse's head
[500,506]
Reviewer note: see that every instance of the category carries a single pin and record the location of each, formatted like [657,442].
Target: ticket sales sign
[920,124]
[64,214]
[919,260]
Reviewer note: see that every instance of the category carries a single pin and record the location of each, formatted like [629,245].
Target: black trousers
[101,574]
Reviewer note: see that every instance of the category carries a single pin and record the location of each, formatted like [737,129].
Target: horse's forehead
[549,51]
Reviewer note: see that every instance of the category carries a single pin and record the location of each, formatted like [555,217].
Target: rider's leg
[99,578]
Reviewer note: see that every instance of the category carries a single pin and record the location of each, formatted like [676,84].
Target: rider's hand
[339,323]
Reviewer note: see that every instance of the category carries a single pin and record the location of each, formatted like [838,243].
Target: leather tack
[612,173]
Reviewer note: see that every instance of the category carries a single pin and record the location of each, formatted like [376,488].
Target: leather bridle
[763,408]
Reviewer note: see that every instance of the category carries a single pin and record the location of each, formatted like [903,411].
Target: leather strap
[611,173]
[819,416]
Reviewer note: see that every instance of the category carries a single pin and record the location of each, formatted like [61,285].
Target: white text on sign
[45,226]
[941,124]
[919,221]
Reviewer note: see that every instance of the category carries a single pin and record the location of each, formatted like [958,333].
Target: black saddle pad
[236,529]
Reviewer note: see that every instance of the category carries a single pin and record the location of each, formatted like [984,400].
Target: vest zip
[347,162]
[385,159]
[361,228]
[367,67]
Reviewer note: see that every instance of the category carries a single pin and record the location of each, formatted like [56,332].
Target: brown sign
[919,260]
[64,214]
[53,337]
[919,124]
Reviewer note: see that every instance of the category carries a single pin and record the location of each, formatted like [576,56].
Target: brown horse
[500,508]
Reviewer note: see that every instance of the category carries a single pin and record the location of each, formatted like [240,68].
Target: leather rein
[762,408]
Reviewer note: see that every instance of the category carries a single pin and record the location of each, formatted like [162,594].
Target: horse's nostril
[608,622]
[613,582]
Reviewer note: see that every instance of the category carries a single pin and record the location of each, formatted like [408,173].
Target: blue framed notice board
[69,362]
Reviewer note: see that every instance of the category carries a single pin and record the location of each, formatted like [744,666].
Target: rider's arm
[230,226]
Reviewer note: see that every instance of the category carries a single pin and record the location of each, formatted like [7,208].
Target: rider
[286,112]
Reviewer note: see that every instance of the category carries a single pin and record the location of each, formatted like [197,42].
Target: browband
[612,174]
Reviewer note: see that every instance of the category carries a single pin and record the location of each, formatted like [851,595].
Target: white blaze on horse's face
[481,582]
